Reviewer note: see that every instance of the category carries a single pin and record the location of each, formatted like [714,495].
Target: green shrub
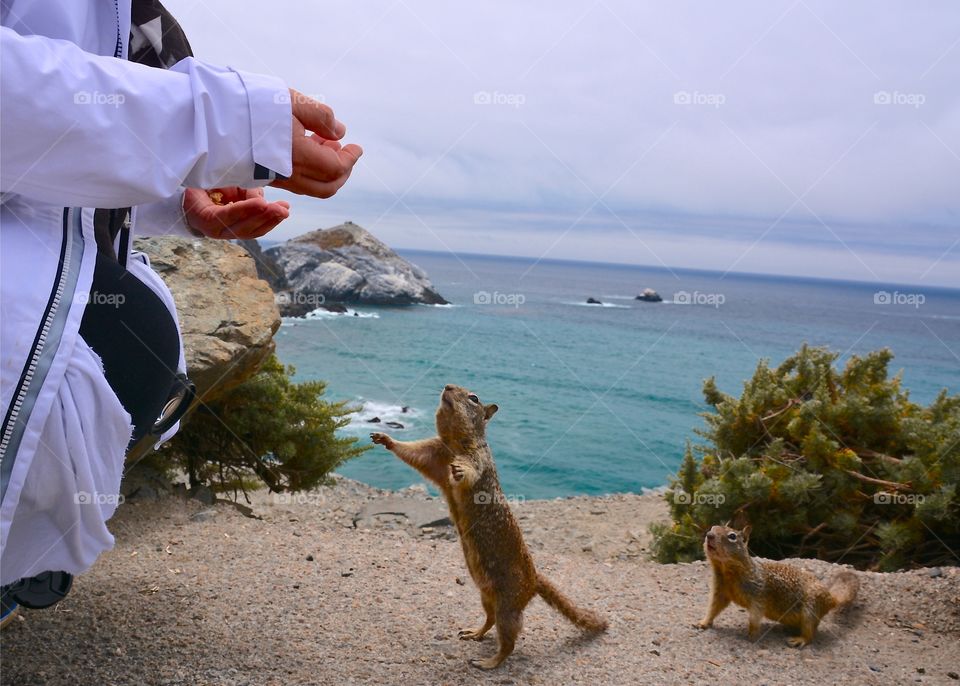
[838,465]
[266,430]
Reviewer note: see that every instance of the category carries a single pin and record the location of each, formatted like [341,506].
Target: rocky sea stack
[347,265]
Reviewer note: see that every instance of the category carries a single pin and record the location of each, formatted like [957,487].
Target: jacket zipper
[125,230]
[10,421]
[118,50]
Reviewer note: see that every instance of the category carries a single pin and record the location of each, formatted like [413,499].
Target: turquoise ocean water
[599,398]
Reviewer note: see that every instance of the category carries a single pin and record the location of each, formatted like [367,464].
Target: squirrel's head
[461,417]
[723,543]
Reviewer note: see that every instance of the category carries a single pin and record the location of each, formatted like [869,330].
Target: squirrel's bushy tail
[843,588]
[584,619]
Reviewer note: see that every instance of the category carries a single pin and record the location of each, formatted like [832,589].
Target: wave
[387,412]
[321,313]
[586,304]
[915,314]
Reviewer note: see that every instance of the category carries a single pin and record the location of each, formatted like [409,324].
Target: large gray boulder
[347,264]
[228,315]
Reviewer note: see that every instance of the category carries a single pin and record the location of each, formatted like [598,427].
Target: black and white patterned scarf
[156,40]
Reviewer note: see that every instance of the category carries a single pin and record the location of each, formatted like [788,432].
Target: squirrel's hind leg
[808,627]
[509,624]
[478,634]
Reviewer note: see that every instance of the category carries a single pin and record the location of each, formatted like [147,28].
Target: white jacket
[81,128]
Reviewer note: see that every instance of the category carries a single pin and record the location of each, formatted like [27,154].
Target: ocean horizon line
[764,276]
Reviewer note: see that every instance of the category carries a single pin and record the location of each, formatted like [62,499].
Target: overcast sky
[797,137]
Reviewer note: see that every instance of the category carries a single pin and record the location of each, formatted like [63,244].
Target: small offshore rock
[650,296]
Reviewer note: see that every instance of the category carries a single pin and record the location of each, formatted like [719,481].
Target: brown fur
[774,590]
[458,460]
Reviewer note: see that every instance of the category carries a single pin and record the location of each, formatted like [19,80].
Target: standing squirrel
[458,460]
[773,590]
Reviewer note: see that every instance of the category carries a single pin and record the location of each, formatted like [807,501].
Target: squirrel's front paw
[456,471]
[381,439]
[703,624]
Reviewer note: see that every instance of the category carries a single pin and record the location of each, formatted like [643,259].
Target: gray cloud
[796,137]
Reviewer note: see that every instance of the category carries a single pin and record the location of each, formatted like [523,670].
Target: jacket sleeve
[162,218]
[84,130]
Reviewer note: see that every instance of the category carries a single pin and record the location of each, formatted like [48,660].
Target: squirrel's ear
[746,533]
[489,411]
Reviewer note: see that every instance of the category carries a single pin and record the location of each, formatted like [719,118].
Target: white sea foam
[321,313]
[387,412]
[586,304]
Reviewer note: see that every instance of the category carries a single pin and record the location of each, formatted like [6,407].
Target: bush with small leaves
[267,430]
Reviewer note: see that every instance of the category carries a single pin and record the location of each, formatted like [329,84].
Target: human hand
[321,165]
[232,212]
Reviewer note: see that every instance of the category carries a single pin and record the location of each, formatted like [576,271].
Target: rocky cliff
[267,267]
[347,264]
[228,315]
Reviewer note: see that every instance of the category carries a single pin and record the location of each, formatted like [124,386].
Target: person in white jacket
[81,128]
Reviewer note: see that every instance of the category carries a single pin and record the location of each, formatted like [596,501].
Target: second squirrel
[774,590]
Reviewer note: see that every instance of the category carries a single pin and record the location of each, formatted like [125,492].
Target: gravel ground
[323,590]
